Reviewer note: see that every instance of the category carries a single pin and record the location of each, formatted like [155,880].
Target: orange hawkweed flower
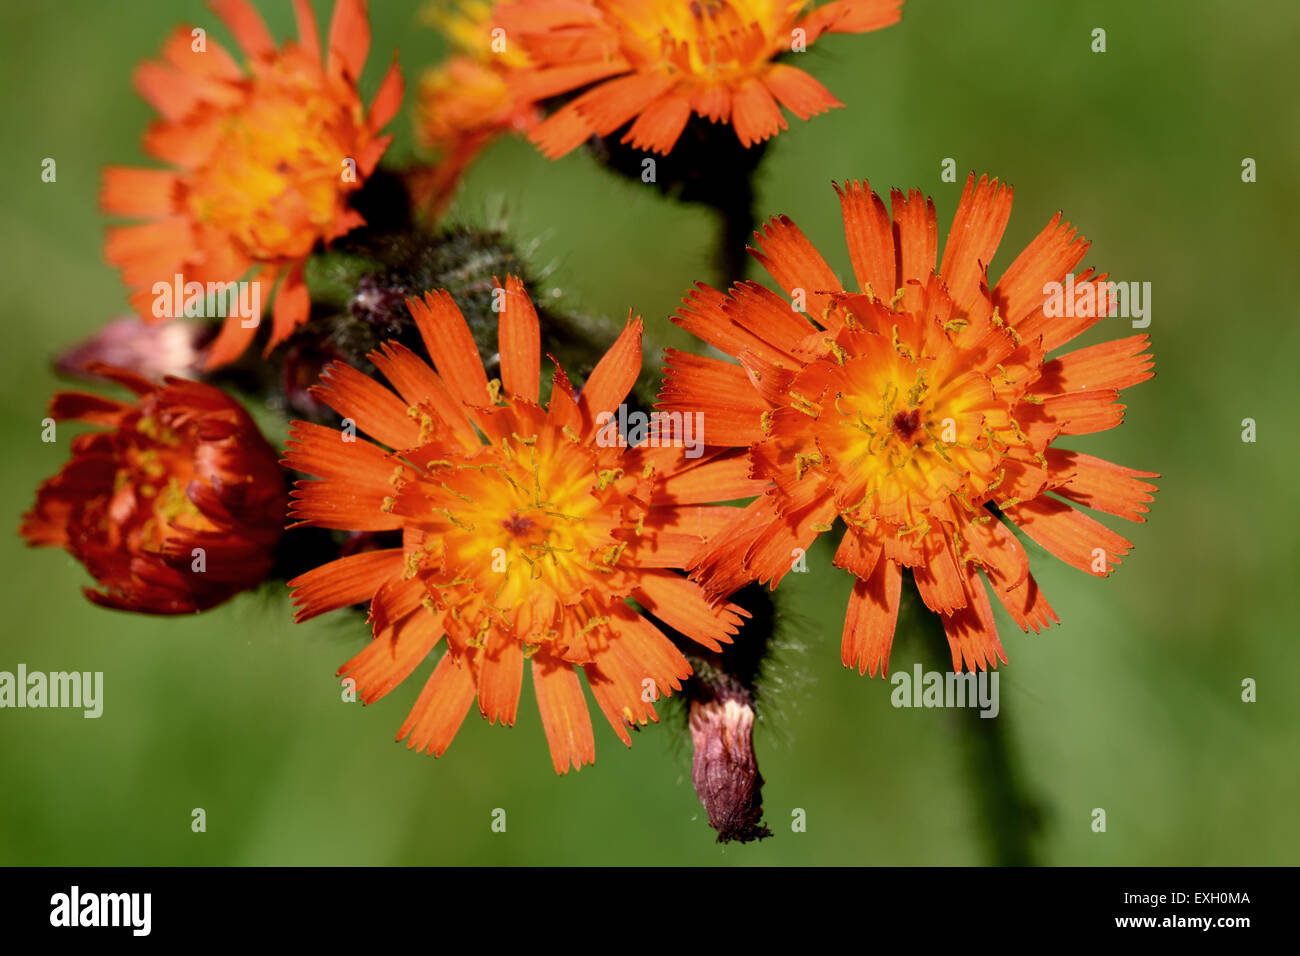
[263,162]
[525,531]
[177,507]
[466,102]
[921,410]
[659,61]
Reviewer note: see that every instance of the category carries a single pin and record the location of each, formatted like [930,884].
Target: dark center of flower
[518,525]
[705,8]
[906,423]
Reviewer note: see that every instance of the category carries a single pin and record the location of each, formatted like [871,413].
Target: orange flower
[263,163]
[657,61]
[921,411]
[466,102]
[524,532]
[176,508]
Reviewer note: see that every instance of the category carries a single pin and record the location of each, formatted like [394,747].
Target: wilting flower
[659,61]
[263,162]
[466,102]
[525,530]
[922,411]
[175,508]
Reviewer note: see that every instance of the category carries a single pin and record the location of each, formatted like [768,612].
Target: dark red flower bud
[174,509]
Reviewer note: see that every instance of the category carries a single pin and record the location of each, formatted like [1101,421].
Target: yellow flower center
[276,178]
[898,431]
[714,40]
[517,519]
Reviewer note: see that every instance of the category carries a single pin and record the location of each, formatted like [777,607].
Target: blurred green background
[1133,704]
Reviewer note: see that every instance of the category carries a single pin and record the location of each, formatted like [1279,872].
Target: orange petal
[614,375]
[798,91]
[656,657]
[375,410]
[172,92]
[871,619]
[519,342]
[388,100]
[609,105]
[128,191]
[681,605]
[754,113]
[233,339]
[441,707]
[998,551]
[86,407]
[549,81]
[720,478]
[1101,484]
[451,345]
[753,318]
[342,583]
[292,306]
[563,406]
[562,132]
[775,329]
[420,385]
[391,656]
[213,62]
[308,34]
[1115,364]
[972,633]
[976,231]
[916,235]
[1069,534]
[851,16]
[1053,253]
[247,25]
[870,238]
[795,263]
[564,713]
[1027,606]
[1057,330]
[617,684]
[501,674]
[349,39]
[123,244]
[939,579]
[718,390]
[857,554]
[1077,413]
[660,125]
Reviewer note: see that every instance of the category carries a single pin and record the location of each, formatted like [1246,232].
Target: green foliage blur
[1133,704]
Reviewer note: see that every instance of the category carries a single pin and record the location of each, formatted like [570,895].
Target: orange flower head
[177,507]
[466,102]
[921,410]
[468,93]
[525,532]
[263,163]
[655,62]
